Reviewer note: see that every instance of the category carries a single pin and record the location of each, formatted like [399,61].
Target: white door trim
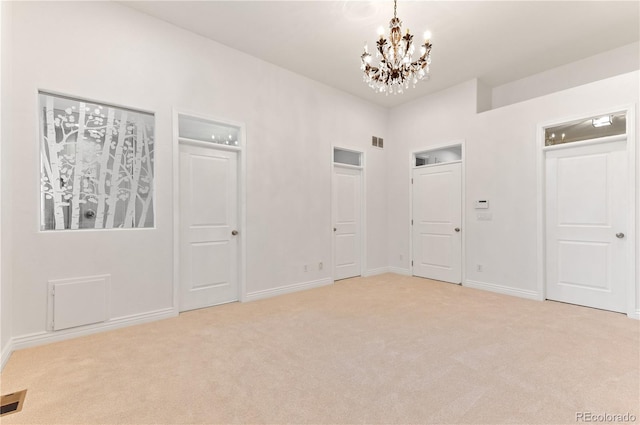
[242,196]
[633,311]
[363,208]
[461,143]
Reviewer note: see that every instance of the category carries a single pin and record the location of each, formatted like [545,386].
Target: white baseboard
[39,338]
[635,314]
[6,353]
[375,272]
[500,289]
[287,289]
[400,270]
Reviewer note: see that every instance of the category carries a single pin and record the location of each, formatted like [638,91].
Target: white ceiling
[495,41]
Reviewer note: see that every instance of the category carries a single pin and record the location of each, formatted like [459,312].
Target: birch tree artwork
[97,165]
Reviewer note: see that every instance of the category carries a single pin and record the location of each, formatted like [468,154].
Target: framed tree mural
[97,165]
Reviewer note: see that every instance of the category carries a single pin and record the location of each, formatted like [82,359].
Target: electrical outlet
[320,265]
[306,267]
[479,268]
[401,257]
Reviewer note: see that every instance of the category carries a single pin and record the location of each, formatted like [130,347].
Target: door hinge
[412,222]
[412,180]
[411,262]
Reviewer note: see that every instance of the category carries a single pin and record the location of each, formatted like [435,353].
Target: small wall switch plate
[481,205]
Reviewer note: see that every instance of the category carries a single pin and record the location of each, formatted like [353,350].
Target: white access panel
[78,301]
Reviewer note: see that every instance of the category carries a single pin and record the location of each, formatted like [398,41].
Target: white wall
[500,166]
[5,210]
[594,68]
[432,120]
[107,52]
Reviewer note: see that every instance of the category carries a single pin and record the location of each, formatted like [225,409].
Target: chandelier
[396,69]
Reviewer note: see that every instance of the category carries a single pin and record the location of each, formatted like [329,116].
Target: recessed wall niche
[96,165]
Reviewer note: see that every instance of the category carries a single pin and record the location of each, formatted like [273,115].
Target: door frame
[631,289]
[242,196]
[363,207]
[463,218]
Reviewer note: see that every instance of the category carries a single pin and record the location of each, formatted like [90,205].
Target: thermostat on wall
[482,205]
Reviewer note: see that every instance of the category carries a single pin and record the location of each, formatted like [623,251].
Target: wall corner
[484,95]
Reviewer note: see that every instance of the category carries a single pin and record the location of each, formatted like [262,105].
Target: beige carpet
[385,349]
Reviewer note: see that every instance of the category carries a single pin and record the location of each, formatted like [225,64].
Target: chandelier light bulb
[427,36]
[381,31]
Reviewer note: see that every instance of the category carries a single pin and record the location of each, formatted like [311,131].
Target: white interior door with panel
[208,223]
[586,212]
[436,222]
[347,219]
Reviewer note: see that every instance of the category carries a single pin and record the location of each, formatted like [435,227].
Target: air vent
[12,403]
[378,142]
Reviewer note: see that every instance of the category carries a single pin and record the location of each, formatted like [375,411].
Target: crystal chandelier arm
[371,70]
[407,39]
[427,50]
[383,48]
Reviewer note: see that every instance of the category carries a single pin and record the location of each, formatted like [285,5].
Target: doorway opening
[436,213]
[209,223]
[348,217]
[587,210]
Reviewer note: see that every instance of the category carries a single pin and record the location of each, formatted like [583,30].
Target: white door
[586,209]
[208,219]
[347,217]
[437,217]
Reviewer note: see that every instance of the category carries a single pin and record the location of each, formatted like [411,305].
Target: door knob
[234,232]
[457,229]
[620,235]
[334,229]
